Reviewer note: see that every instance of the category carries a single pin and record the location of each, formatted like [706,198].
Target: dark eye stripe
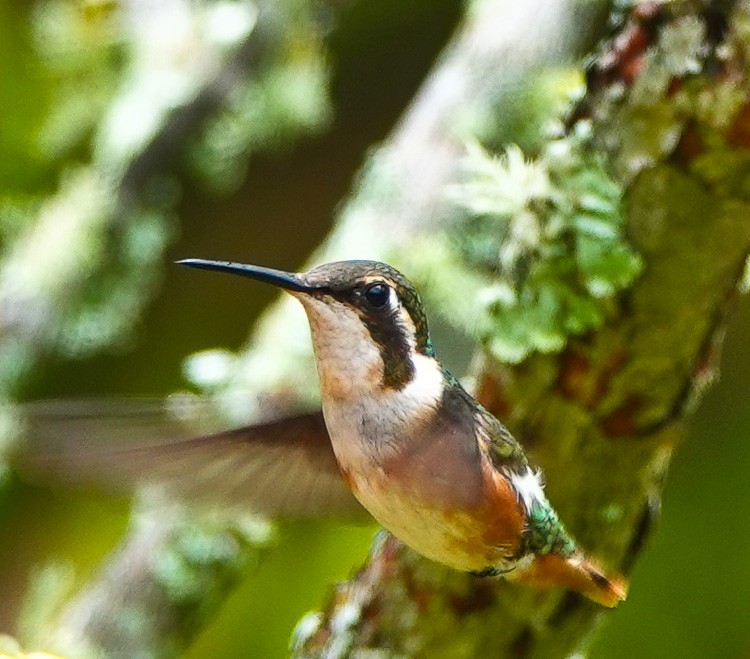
[372,302]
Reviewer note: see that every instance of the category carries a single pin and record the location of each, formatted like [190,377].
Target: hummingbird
[403,436]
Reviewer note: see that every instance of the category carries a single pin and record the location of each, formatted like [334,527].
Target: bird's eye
[377,295]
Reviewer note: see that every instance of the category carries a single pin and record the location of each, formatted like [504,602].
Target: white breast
[367,428]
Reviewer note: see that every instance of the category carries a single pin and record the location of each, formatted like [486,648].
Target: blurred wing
[283,468]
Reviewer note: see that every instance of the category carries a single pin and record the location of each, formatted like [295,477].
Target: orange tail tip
[576,573]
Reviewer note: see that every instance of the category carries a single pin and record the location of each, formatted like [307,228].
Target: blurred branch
[82,269]
[75,276]
[161,150]
[158,588]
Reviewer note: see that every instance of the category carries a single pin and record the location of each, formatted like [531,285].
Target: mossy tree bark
[667,104]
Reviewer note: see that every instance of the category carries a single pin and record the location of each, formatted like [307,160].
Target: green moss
[204,557]
[288,96]
[541,244]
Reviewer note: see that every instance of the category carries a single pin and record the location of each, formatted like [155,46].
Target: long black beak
[287,280]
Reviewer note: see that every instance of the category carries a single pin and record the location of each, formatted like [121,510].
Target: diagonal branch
[603,415]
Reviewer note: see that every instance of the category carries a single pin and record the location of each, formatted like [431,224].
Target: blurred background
[98,197]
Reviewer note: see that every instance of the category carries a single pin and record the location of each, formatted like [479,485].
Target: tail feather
[575,572]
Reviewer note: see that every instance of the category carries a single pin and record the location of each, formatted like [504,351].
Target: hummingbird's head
[368,326]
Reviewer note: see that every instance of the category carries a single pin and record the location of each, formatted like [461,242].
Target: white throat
[360,412]
[349,363]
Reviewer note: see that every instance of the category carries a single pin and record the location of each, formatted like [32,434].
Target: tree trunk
[667,104]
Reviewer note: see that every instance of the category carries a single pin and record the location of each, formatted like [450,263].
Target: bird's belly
[456,538]
[424,487]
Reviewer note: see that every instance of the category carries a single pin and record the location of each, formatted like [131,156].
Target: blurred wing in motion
[283,468]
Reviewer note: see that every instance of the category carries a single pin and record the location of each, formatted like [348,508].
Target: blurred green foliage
[66,64]
[559,252]
[127,91]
